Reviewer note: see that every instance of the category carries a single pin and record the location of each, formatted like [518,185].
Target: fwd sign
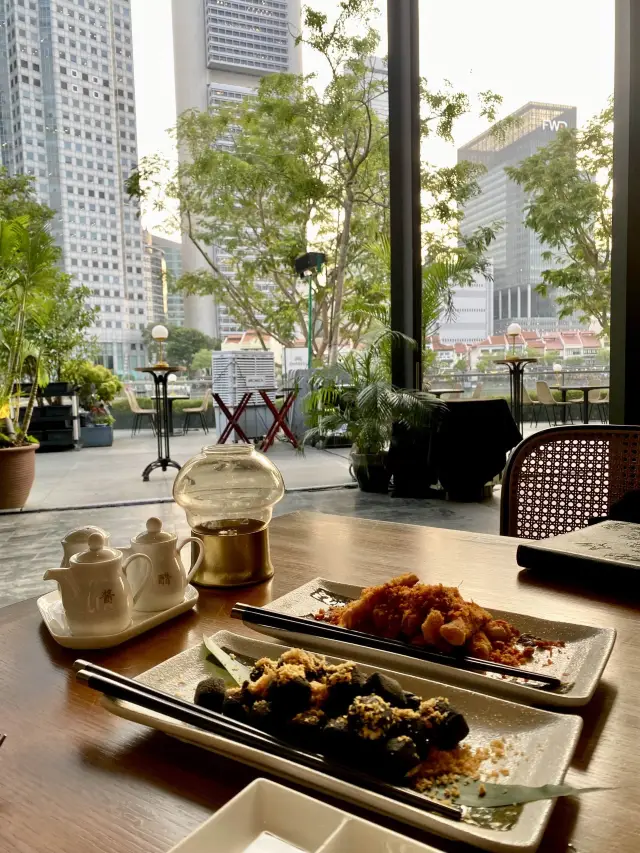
[553,124]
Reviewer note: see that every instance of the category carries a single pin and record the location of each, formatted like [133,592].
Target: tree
[570,182]
[461,365]
[299,167]
[181,345]
[202,360]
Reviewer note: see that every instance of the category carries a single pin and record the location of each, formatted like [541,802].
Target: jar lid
[154,533]
[97,552]
[82,534]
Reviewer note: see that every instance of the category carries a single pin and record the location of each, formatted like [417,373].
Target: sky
[549,50]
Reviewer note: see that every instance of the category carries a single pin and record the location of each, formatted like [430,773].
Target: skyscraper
[517,251]
[154,270]
[221,50]
[172,252]
[67,117]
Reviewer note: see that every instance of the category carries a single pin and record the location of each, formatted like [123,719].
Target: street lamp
[557,369]
[514,331]
[160,334]
[306,266]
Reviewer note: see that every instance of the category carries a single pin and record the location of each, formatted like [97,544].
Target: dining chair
[200,410]
[139,413]
[599,399]
[557,479]
[551,405]
[534,406]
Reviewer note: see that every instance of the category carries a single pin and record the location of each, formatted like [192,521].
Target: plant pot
[17,472]
[370,470]
[97,435]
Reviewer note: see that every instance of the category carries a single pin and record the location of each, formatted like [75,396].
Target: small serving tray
[53,615]
[538,746]
[579,664]
[268,818]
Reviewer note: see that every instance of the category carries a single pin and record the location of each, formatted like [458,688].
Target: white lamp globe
[557,368]
[514,329]
[159,333]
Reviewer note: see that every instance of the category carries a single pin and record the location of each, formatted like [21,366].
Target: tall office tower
[67,117]
[172,251]
[379,71]
[517,251]
[221,50]
[154,270]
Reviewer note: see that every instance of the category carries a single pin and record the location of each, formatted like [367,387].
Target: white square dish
[267,817]
[579,664]
[540,745]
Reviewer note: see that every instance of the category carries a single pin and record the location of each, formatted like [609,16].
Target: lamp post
[514,331]
[306,266]
[160,334]
[557,369]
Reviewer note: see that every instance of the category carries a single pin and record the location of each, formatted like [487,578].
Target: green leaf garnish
[238,671]
[512,795]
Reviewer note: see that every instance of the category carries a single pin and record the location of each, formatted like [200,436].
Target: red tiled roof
[461,348]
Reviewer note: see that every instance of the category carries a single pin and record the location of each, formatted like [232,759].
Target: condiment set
[104,589]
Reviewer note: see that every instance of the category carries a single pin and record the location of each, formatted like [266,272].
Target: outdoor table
[585,397]
[516,366]
[171,398]
[438,392]
[75,778]
[279,417]
[164,412]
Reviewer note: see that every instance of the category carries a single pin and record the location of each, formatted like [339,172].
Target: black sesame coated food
[289,696]
[400,756]
[233,707]
[411,700]
[370,717]
[387,688]
[447,727]
[261,714]
[336,737]
[210,693]
[409,723]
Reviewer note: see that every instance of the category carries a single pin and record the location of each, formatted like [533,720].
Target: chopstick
[118,686]
[311,627]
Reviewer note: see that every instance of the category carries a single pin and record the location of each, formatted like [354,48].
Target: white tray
[541,744]
[579,664]
[53,615]
[299,822]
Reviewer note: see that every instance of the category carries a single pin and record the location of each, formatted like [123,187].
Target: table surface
[579,387]
[75,778]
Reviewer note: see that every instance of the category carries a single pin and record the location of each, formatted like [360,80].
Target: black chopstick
[120,687]
[312,627]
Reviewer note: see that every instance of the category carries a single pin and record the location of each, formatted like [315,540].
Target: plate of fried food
[434,621]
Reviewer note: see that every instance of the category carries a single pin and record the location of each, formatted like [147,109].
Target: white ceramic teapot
[169,578]
[77,541]
[96,594]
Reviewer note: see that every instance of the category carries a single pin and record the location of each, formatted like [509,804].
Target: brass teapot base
[236,553]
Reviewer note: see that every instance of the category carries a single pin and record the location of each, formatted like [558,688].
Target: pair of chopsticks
[125,689]
[312,627]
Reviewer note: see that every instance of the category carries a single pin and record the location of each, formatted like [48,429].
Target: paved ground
[107,474]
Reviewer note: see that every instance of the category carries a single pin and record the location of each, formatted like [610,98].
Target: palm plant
[28,272]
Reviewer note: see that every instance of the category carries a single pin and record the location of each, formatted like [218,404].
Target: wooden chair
[200,410]
[139,414]
[559,478]
[550,403]
[534,406]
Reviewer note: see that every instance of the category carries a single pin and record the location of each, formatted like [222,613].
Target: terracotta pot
[17,472]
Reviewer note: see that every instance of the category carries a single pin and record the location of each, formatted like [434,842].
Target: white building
[221,50]
[472,316]
[67,117]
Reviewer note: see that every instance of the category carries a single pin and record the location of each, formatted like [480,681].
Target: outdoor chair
[534,406]
[599,399]
[139,414]
[200,410]
[559,478]
[551,405]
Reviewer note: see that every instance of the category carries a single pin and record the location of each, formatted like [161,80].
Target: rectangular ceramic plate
[539,745]
[291,822]
[579,665]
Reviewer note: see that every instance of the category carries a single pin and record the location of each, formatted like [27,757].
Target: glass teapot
[228,493]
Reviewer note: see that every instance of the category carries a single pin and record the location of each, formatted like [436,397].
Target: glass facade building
[67,117]
[172,253]
[516,252]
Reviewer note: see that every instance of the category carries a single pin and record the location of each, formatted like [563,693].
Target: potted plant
[359,400]
[28,274]
[97,388]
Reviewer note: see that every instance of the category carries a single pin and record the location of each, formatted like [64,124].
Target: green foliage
[181,345]
[461,365]
[97,384]
[297,159]
[570,182]
[202,360]
[357,396]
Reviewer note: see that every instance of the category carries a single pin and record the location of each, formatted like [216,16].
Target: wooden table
[74,778]
[584,389]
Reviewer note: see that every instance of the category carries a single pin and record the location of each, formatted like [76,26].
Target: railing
[193,387]
[497,384]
